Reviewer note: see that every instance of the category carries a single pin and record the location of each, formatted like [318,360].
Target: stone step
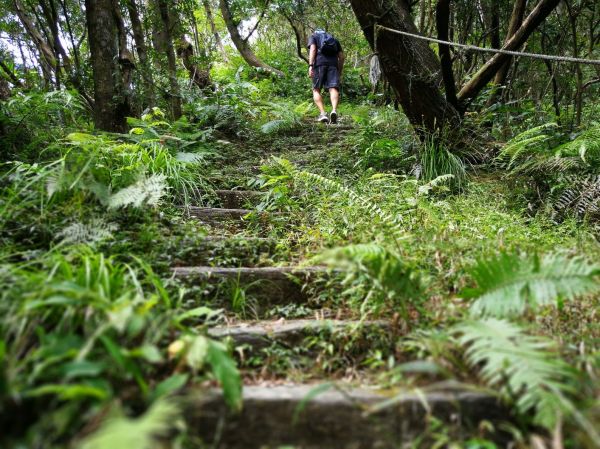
[268,285]
[219,216]
[336,418]
[232,249]
[262,334]
[238,199]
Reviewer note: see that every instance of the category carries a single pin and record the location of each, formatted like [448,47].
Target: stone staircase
[322,413]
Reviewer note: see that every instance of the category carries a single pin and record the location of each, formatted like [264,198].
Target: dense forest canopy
[194,255]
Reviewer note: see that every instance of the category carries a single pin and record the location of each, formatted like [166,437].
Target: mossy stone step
[263,333]
[269,285]
[238,199]
[229,249]
[215,216]
[293,416]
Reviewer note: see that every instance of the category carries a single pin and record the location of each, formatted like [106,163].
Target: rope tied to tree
[489,50]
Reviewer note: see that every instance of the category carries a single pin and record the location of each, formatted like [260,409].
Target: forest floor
[300,316]
[316,256]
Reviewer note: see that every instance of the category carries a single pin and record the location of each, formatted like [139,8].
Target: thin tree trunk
[213,28]
[167,47]
[516,20]
[200,77]
[142,52]
[47,58]
[578,100]
[11,75]
[241,44]
[486,73]
[409,64]
[109,111]
[301,38]
[442,21]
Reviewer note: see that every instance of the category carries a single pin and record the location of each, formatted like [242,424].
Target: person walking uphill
[326,65]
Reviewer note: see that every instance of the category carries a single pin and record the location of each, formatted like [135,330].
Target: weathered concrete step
[229,249]
[263,333]
[220,216]
[238,199]
[269,285]
[335,419]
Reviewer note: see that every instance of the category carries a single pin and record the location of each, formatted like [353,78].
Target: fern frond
[525,369]
[510,284]
[142,432]
[581,196]
[145,191]
[93,231]
[393,222]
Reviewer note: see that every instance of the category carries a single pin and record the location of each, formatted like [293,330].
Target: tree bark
[200,77]
[300,34]
[442,16]
[241,44]
[213,28]
[486,73]
[142,53]
[47,58]
[11,75]
[166,37]
[516,19]
[409,65]
[110,112]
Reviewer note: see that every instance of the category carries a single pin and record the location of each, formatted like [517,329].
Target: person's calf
[318,98]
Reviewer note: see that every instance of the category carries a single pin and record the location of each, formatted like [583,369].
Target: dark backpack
[328,46]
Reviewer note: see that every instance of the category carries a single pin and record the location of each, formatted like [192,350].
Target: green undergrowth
[462,262]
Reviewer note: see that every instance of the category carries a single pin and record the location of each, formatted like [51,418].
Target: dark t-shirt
[324,59]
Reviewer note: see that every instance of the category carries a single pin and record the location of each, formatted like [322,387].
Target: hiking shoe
[333,117]
[323,118]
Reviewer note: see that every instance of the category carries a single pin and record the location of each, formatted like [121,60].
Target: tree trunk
[300,34]
[142,52]
[109,110]
[213,28]
[409,65]
[47,58]
[241,44]
[11,75]
[442,18]
[486,73]
[516,19]
[200,77]
[166,37]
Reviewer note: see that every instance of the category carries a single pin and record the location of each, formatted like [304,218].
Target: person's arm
[312,57]
[341,60]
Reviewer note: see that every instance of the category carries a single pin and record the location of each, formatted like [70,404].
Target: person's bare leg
[319,100]
[335,98]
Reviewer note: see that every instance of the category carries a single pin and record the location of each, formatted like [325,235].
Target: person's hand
[311,72]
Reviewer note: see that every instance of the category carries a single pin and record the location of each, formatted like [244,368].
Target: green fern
[510,284]
[145,191]
[523,368]
[89,232]
[378,273]
[141,432]
[392,222]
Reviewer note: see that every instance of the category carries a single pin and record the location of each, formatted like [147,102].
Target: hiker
[326,65]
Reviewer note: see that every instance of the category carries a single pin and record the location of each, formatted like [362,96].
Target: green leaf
[82,368]
[510,284]
[226,372]
[169,386]
[520,366]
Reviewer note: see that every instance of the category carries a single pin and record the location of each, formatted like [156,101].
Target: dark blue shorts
[326,76]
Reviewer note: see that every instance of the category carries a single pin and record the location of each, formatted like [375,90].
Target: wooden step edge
[268,273]
[262,333]
[233,199]
[336,417]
